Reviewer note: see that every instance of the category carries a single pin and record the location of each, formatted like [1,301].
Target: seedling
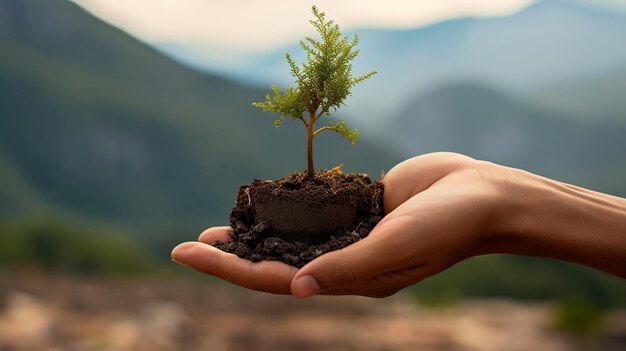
[294,219]
[323,83]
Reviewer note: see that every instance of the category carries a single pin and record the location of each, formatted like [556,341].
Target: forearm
[547,218]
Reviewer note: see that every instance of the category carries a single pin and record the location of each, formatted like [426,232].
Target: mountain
[594,97]
[485,123]
[96,124]
[547,43]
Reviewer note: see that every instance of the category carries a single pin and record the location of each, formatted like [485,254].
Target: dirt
[296,219]
[46,311]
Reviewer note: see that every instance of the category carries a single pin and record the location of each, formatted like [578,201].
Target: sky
[224,36]
[255,25]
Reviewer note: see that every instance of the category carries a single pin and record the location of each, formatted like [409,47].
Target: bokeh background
[126,128]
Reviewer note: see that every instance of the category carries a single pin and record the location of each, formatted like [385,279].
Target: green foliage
[58,246]
[288,104]
[323,82]
[578,315]
[341,128]
[524,278]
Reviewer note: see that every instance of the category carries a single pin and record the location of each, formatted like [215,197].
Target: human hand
[438,209]
[441,208]
[268,276]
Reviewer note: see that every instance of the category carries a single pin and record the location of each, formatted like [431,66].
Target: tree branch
[303,121]
[318,115]
[322,129]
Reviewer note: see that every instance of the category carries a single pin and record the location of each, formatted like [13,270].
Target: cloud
[253,25]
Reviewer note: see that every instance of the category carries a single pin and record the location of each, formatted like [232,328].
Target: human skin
[441,208]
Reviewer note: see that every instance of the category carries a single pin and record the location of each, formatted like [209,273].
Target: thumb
[349,266]
[329,272]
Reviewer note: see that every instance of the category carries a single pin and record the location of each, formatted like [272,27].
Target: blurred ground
[58,312]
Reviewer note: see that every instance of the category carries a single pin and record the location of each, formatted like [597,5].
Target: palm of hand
[439,209]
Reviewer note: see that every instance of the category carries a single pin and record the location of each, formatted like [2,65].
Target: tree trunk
[309,150]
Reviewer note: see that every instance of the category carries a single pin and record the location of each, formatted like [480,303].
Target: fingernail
[305,286]
[180,263]
[179,253]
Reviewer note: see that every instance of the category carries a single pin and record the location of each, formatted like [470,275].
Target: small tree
[323,83]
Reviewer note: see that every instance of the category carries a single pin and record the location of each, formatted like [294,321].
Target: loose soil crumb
[292,201]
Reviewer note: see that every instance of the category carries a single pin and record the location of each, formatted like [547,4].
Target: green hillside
[596,97]
[525,278]
[96,124]
[482,122]
[54,246]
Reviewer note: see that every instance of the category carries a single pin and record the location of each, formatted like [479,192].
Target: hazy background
[126,128]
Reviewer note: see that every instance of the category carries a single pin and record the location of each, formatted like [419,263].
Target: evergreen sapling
[295,219]
[323,83]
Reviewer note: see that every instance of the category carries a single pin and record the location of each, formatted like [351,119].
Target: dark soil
[296,219]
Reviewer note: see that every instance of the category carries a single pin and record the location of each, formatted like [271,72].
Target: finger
[377,287]
[404,240]
[269,276]
[382,285]
[387,284]
[417,174]
[362,290]
[384,250]
[211,235]
[331,271]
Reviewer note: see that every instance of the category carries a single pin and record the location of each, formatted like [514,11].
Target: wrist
[547,218]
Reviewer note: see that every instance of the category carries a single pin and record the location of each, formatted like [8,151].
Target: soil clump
[296,219]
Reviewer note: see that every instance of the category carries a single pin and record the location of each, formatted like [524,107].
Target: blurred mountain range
[546,45]
[593,97]
[484,123]
[543,89]
[98,126]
